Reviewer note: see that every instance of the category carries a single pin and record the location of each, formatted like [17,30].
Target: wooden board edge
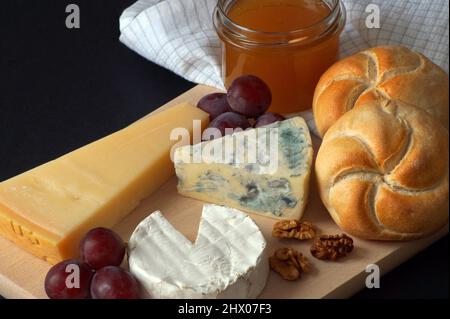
[10,290]
[387,264]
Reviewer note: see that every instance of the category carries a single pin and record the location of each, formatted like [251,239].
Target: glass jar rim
[335,19]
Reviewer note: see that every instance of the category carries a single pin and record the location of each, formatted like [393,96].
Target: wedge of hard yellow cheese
[47,210]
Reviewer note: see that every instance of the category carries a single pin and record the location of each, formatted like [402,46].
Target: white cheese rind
[227,260]
[253,187]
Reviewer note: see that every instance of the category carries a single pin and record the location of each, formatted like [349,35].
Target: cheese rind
[227,260]
[278,191]
[48,209]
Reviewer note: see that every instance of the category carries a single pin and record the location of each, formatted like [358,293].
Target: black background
[63,88]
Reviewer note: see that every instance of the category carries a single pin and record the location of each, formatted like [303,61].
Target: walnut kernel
[289,263]
[332,247]
[294,229]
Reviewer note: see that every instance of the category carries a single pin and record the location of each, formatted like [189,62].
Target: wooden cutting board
[22,275]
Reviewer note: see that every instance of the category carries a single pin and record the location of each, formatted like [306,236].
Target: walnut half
[332,247]
[294,229]
[289,263]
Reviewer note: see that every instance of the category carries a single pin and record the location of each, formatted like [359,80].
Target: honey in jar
[287,43]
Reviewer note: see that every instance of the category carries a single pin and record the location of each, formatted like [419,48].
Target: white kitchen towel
[179,34]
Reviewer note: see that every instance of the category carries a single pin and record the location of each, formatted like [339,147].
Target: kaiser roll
[383,172]
[390,72]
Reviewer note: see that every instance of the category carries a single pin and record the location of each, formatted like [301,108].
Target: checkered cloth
[179,34]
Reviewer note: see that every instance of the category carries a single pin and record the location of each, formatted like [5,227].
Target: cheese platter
[22,275]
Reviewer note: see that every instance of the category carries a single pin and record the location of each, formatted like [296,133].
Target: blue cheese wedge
[263,171]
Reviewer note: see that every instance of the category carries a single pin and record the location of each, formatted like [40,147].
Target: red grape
[102,247]
[214,104]
[249,96]
[268,118]
[229,120]
[70,279]
[114,283]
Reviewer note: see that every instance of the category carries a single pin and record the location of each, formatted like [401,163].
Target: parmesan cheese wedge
[47,210]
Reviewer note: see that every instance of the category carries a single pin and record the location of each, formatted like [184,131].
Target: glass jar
[299,43]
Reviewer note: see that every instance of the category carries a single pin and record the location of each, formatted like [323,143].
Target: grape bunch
[243,106]
[98,275]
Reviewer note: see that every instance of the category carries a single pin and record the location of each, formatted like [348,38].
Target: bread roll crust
[383,173]
[391,73]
